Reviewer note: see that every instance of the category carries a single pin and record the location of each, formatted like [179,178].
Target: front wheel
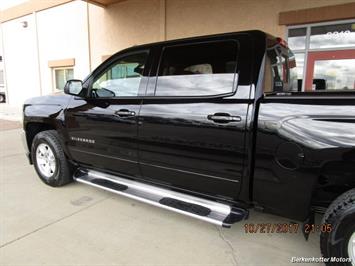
[49,159]
[338,245]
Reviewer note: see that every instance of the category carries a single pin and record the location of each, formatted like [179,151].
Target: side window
[198,69]
[123,78]
[280,70]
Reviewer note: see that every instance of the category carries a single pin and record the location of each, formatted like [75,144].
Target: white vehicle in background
[2,94]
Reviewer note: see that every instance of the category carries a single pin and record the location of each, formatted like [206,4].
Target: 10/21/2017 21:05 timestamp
[266,228]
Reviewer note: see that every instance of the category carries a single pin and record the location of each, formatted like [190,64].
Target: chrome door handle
[125,112]
[224,118]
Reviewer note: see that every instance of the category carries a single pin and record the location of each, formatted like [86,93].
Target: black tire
[2,98]
[341,216]
[62,174]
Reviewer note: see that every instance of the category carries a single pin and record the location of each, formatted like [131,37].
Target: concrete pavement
[10,112]
[7,125]
[81,225]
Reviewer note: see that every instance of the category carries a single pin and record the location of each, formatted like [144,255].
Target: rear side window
[280,70]
[198,70]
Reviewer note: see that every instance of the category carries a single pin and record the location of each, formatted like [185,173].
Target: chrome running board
[203,209]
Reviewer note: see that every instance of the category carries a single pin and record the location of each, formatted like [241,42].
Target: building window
[325,55]
[61,76]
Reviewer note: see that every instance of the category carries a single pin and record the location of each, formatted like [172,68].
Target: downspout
[88,33]
[162,17]
[38,57]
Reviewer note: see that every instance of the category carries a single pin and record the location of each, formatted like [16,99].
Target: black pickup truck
[209,127]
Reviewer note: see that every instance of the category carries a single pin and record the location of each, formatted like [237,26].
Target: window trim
[311,95]
[109,63]
[53,69]
[212,96]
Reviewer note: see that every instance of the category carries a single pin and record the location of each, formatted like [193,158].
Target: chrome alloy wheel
[351,249]
[45,160]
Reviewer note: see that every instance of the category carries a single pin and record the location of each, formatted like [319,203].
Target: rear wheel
[339,243]
[351,248]
[49,159]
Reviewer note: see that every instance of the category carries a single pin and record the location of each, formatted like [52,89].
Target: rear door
[192,127]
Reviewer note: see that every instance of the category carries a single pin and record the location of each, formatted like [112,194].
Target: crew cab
[209,127]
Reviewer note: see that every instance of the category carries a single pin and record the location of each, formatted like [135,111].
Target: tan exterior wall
[122,25]
[197,17]
[135,22]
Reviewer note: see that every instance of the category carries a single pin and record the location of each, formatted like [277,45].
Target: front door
[102,128]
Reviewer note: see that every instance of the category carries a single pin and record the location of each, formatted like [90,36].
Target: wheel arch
[335,178]
[33,128]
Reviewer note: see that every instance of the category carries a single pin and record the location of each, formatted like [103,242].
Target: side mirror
[73,87]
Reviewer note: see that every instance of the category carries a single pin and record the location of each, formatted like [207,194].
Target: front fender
[45,113]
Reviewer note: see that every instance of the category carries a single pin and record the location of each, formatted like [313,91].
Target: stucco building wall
[62,34]
[21,60]
[140,21]
[123,25]
[88,33]
[52,34]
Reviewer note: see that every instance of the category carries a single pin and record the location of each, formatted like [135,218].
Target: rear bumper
[25,146]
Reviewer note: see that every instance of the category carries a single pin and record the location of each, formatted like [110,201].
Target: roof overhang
[30,6]
[317,14]
[104,3]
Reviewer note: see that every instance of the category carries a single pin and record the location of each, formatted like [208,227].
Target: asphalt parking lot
[81,225]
